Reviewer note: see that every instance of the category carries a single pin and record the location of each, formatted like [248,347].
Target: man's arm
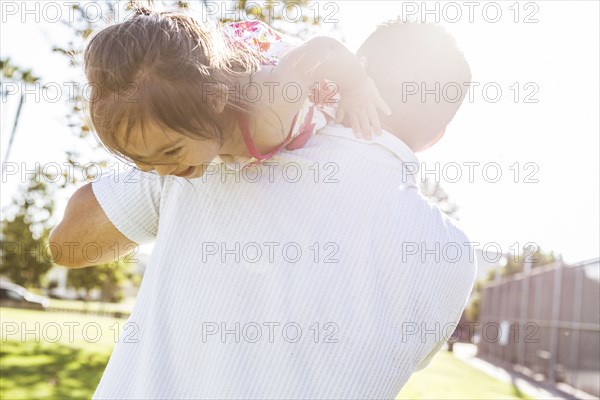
[85,236]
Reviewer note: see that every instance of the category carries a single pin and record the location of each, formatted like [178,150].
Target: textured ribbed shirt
[322,273]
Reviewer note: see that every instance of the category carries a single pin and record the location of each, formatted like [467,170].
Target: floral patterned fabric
[319,107]
[272,44]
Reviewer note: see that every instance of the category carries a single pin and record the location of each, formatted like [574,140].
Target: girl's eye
[173,153]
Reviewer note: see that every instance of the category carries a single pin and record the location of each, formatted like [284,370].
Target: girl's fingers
[363,116]
[365,126]
[374,118]
[340,114]
[355,125]
[382,105]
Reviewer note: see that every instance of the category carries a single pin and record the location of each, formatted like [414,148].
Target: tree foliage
[25,255]
[106,277]
[515,264]
[16,73]
[437,195]
[533,255]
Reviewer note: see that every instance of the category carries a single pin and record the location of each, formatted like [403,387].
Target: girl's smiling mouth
[186,172]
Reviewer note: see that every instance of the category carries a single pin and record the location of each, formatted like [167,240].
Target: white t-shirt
[327,276]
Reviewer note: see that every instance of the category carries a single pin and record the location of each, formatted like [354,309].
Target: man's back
[323,274]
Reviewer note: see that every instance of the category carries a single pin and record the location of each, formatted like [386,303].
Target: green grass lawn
[71,367]
[49,371]
[88,332]
[49,362]
[447,377]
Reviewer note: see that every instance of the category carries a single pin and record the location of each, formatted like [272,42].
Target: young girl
[172,95]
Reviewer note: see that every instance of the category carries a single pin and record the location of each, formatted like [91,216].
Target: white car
[12,295]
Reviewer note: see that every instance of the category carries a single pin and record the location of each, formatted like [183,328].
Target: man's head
[422,76]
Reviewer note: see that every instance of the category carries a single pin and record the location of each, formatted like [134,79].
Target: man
[325,278]
[323,273]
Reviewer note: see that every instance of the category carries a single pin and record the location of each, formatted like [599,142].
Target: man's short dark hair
[406,56]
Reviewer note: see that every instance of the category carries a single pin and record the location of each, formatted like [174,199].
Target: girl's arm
[326,58]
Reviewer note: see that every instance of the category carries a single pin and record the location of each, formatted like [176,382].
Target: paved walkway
[467,353]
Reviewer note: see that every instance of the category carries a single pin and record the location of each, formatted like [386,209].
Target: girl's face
[171,153]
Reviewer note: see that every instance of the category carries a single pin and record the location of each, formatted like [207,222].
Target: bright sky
[554,141]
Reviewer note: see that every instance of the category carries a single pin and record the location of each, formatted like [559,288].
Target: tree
[12,72]
[24,244]
[515,263]
[15,72]
[437,195]
[106,277]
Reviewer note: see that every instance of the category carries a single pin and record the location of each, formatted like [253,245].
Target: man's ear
[442,133]
[365,62]
[438,137]
[434,141]
[217,98]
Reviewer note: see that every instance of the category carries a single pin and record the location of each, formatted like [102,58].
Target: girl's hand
[361,106]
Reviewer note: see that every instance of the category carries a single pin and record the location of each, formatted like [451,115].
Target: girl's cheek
[205,154]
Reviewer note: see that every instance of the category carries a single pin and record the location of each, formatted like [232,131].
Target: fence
[548,322]
[101,313]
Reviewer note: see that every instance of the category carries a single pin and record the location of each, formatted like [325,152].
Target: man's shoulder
[415,230]
[409,203]
[337,144]
[386,140]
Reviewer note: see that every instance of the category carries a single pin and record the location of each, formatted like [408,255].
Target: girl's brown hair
[162,66]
